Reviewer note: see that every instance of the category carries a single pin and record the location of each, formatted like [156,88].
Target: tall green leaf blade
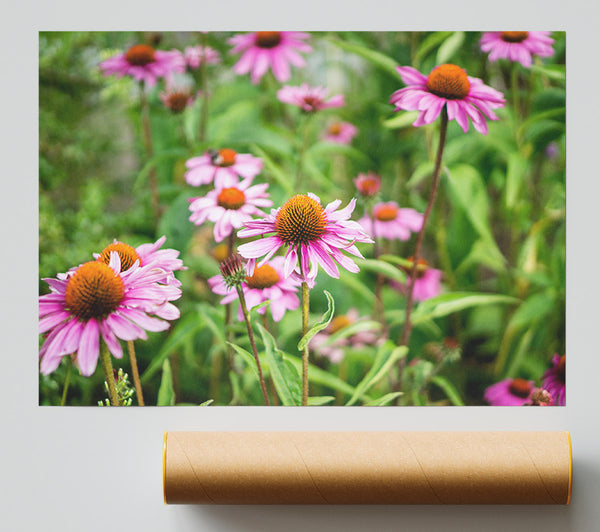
[446,304]
[448,389]
[324,378]
[248,359]
[380,60]
[449,47]
[323,322]
[384,360]
[320,400]
[280,176]
[166,393]
[384,399]
[286,378]
[183,331]
[383,268]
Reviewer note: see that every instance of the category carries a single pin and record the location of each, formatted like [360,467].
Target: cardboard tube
[367,467]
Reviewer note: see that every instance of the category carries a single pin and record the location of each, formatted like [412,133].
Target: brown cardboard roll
[367,468]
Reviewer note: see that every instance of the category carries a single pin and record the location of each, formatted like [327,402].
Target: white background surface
[91,469]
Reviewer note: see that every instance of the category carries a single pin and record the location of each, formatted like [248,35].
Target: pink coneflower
[340,132]
[196,55]
[517,45]
[314,236]
[428,282]
[230,207]
[553,380]
[267,283]
[144,63]
[336,351]
[447,86]
[392,222]
[221,167]
[99,299]
[309,99]
[368,184]
[269,49]
[509,392]
[147,255]
[177,99]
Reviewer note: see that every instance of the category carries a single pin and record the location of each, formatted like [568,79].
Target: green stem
[109,376]
[240,292]
[404,339]
[147,131]
[135,373]
[305,304]
[63,399]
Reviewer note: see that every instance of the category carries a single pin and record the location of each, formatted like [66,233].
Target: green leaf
[380,60]
[448,389]
[324,378]
[446,304]
[276,171]
[449,47]
[515,178]
[322,400]
[262,305]
[470,194]
[182,332]
[401,120]
[141,178]
[286,378]
[384,399]
[207,403]
[383,268]
[248,358]
[175,225]
[422,171]
[324,322]
[166,393]
[534,308]
[386,357]
[430,42]
[554,72]
[352,281]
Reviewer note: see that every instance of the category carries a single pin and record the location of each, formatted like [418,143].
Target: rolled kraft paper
[367,468]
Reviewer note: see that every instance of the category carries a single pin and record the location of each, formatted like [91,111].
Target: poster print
[295,218]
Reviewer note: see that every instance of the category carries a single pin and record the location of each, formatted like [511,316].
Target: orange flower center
[422,266]
[514,36]
[140,55]
[448,81]
[177,101]
[93,291]
[267,39]
[300,220]
[385,213]
[126,253]
[231,198]
[335,129]
[224,157]
[264,277]
[368,186]
[520,388]
[338,323]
